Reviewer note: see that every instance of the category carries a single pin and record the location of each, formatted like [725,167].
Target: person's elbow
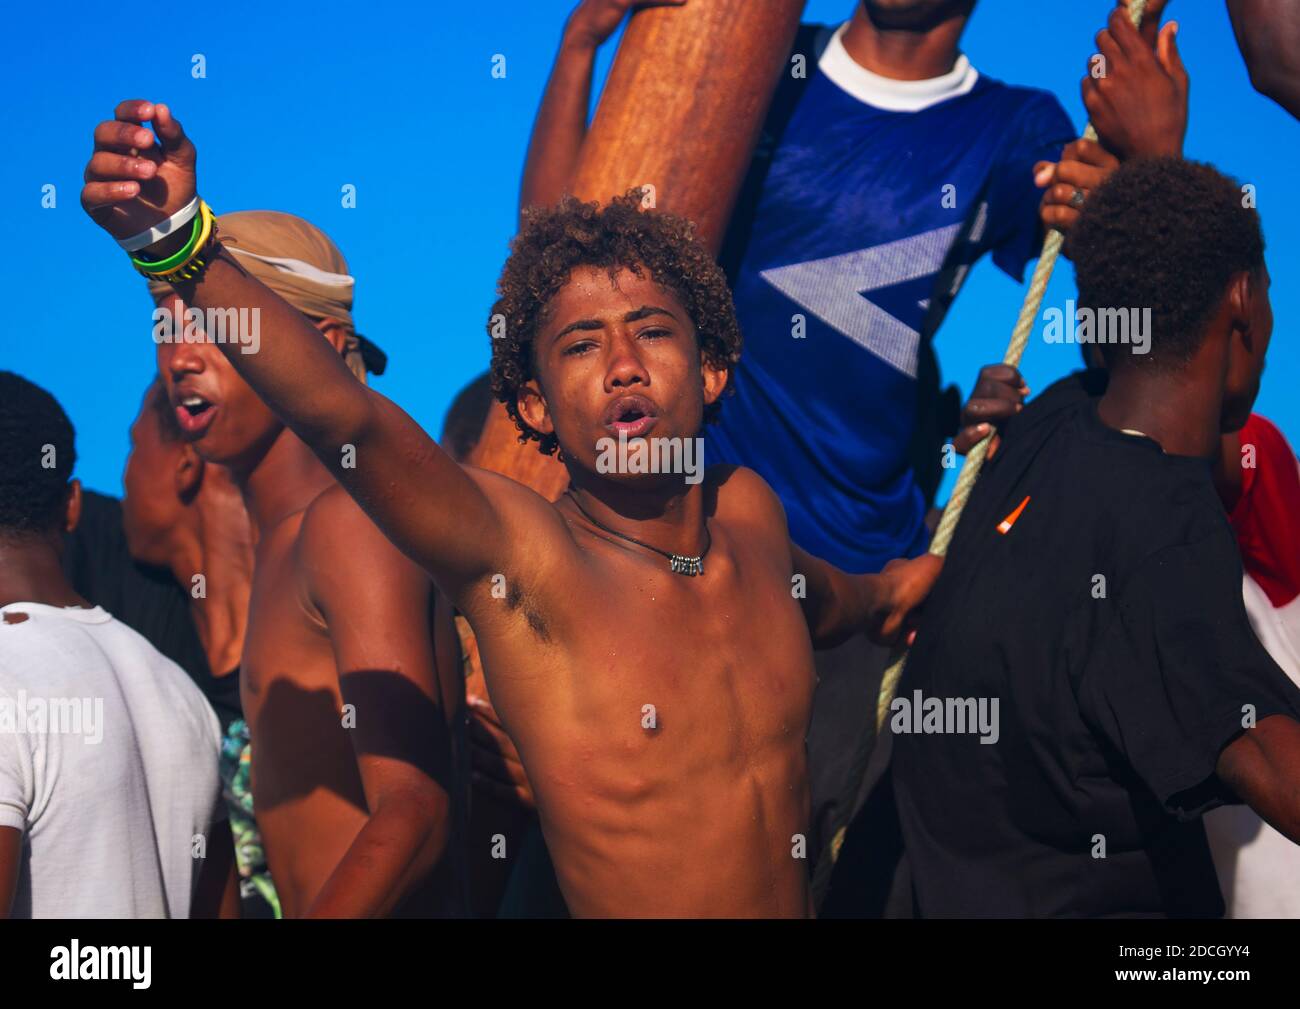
[424,811]
[1279,83]
[1272,72]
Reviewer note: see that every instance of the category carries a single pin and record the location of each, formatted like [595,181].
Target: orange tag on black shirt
[1005,525]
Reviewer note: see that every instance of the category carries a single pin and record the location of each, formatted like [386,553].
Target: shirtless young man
[186,516]
[661,717]
[355,804]
[183,515]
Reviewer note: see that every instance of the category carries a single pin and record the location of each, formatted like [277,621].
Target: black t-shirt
[96,561]
[1107,622]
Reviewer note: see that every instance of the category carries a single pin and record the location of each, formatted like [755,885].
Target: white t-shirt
[108,766]
[1259,869]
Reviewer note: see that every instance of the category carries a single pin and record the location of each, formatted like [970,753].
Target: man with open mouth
[647,642]
[350,711]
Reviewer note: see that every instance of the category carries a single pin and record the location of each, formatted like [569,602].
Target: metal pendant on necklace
[689,566]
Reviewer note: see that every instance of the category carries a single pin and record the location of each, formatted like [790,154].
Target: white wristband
[161,230]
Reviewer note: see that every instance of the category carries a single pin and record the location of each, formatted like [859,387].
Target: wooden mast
[684,104]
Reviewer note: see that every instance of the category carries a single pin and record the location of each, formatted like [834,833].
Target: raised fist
[137,177]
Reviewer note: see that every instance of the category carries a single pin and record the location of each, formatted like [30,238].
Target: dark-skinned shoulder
[539,541]
[737,494]
[519,506]
[341,551]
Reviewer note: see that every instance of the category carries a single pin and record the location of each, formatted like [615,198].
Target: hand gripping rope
[975,458]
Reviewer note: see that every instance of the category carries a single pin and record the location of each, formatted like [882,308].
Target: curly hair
[1165,234]
[37,454]
[555,240]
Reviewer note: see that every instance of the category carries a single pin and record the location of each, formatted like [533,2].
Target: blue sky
[399,101]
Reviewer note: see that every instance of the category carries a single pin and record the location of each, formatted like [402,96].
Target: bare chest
[650,670]
[287,653]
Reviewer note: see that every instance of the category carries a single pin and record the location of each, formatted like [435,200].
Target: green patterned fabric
[236,789]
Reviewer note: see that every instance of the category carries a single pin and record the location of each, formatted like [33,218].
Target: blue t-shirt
[878,197]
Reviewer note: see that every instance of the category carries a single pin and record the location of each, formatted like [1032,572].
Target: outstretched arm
[1262,766]
[561,123]
[436,512]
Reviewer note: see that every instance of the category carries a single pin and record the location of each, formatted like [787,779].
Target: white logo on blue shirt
[835,289]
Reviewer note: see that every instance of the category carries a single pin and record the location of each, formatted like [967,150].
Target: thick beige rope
[975,458]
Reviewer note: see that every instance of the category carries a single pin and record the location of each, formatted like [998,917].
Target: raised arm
[1137,98]
[436,512]
[1137,102]
[561,123]
[1268,34]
